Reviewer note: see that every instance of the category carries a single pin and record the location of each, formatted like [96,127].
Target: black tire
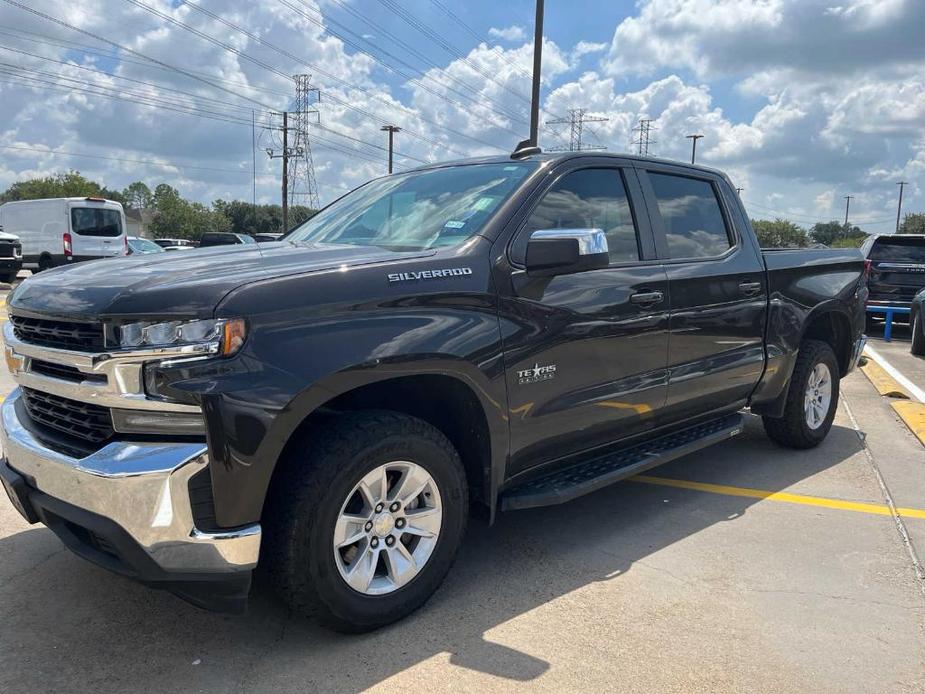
[307,495]
[45,263]
[792,430]
[918,337]
[8,279]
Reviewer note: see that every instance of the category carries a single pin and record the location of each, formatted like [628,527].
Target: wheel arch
[451,402]
[832,326]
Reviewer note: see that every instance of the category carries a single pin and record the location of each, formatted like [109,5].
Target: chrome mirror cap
[590,241]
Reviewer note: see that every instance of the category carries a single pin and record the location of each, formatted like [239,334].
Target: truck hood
[180,283]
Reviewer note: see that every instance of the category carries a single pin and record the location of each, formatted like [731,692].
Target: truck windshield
[92,221]
[417,210]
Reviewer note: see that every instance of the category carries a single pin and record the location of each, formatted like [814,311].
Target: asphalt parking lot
[687,580]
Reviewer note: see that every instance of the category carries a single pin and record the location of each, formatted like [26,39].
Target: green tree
[779,234]
[63,185]
[830,232]
[913,223]
[138,196]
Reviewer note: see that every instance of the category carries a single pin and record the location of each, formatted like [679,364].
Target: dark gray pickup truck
[493,334]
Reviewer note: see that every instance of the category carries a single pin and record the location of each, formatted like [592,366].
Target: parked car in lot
[179,248]
[897,269]
[140,246]
[221,238]
[61,231]
[267,237]
[501,333]
[168,243]
[10,257]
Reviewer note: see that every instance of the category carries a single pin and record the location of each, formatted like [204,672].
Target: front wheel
[365,521]
[812,398]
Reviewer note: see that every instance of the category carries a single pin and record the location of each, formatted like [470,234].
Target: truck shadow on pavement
[68,626]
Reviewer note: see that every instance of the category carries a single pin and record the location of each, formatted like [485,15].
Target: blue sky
[801,101]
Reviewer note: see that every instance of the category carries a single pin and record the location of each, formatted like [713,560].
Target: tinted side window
[589,199]
[694,224]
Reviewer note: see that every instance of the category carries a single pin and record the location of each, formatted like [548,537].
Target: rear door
[97,229]
[585,354]
[718,288]
[897,269]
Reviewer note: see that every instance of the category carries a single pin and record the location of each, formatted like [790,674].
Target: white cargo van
[60,231]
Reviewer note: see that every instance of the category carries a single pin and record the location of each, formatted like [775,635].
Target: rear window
[694,224]
[92,221]
[899,250]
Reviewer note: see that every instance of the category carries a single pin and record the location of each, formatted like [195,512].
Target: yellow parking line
[783,497]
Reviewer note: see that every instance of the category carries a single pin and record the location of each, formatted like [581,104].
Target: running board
[571,482]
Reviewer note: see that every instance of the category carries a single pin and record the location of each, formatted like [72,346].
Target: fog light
[147,422]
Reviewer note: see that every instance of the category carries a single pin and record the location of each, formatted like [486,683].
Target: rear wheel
[364,523]
[812,398]
[918,337]
[46,263]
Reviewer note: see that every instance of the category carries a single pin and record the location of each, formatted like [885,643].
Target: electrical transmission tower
[293,147]
[643,137]
[576,121]
[303,190]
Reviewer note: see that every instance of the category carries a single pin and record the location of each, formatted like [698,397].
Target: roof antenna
[531,144]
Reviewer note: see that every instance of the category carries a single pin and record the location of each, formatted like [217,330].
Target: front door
[586,353]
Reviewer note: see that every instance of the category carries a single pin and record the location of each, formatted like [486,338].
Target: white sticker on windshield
[454,225]
[483,204]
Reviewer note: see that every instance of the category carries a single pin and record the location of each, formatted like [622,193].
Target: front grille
[64,372]
[8,249]
[82,337]
[79,419]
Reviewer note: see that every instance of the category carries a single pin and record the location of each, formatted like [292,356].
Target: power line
[331,97]
[102,39]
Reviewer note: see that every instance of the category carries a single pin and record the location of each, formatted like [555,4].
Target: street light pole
[693,139]
[848,199]
[391,130]
[899,207]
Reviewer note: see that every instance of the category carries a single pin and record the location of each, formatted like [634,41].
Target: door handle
[750,288]
[647,297]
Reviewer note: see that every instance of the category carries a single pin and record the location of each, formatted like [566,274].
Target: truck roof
[561,156]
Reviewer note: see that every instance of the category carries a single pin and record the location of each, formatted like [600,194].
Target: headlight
[212,336]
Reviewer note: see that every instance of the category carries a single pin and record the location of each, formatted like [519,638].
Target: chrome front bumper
[142,487]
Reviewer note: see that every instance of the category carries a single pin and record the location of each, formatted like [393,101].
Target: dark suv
[221,238]
[897,268]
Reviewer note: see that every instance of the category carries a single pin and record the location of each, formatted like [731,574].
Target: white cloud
[515,32]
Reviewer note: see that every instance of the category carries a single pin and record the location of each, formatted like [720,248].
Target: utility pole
[739,191]
[693,139]
[576,121]
[643,140]
[899,208]
[285,158]
[848,199]
[286,153]
[391,130]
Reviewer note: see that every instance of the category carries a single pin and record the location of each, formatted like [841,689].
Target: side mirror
[565,251]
